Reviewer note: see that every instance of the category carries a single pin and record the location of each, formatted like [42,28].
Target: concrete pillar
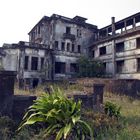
[45,67]
[113,25]
[125,26]
[67,68]
[98,90]
[121,30]
[98,35]
[29,63]
[39,63]
[134,23]
[22,60]
[6,92]
[113,58]
[107,32]
[52,67]
[21,68]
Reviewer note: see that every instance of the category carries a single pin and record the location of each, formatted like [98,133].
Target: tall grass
[130,120]
[127,127]
[69,89]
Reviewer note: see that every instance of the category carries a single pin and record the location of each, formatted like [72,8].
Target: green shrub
[101,122]
[88,68]
[60,115]
[7,127]
[112,109]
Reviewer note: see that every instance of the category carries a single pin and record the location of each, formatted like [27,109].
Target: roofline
[121,20]
[43,18]
[100,41]
[21,46]
[65,18]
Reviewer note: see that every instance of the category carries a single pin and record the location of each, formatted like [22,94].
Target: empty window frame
[79,48]
[73,48]
[68,47]
[68,30]
[38,29]
[26,61]
[32,36]
[42,63]
[60,67]
[0,62]
[56,45]
[120,47]
[104,66]
[138,64]
[73,68]
[102,50]
[79,33]
[120,66]
[138,42]
[34,63]
[63,46]
[93,53]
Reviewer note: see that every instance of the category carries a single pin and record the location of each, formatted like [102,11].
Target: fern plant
[61,115]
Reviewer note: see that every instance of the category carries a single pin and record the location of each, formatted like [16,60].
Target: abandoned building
[69,39]
[56,42]
[118,46]
[32,62]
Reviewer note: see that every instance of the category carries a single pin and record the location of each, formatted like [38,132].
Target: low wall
[118,86]
[94,100]
[20,105]
[6,92]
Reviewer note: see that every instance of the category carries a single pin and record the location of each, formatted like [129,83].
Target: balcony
[69,36]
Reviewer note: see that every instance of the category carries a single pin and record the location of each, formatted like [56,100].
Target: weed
[112,109]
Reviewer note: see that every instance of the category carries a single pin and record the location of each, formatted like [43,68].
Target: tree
[90,68]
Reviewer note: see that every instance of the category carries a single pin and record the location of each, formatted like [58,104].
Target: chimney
[113,25]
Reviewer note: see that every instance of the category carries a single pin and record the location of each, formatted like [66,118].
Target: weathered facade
[69,39]
[31,61]
[56,42]
[118,46]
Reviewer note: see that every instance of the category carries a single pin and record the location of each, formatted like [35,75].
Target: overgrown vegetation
[68,89]
[7,127]
[60,115]
[112,110]
[105,127]
[90,68]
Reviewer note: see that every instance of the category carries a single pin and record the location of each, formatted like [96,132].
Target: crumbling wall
[20,105]
[6,92]
[10,60]
[117,86]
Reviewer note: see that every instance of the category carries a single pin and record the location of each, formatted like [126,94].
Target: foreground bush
[7,127]
[61,117]
[112,109]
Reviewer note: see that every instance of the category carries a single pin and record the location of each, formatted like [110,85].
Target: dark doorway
[60,67]
[35,82]
[73,68]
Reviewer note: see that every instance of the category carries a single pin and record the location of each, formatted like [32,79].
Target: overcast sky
[17,17]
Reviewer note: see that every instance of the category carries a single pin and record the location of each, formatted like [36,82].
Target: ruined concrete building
[30,60]
[68,38]
[56,42]
[118,46]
